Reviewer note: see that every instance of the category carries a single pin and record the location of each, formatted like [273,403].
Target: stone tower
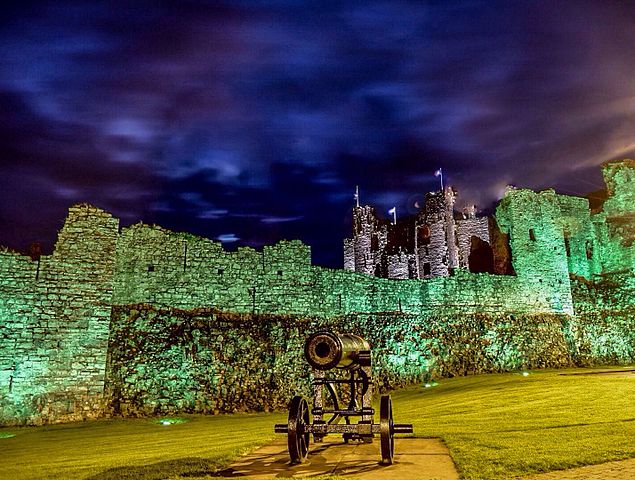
[430,244]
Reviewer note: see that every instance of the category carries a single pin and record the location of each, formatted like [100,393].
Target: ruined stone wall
[164,268]
[54,323]
[536,237]
[185,310]
[450,226]
[433,253]
[167,269]
[166,360]
[603,328]
[615,224]
[363,252]
[399,265]
[465,230]
[349,254]
[581,245]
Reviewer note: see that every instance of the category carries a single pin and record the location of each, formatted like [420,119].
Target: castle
[438,240]
[142,320]
[432,243]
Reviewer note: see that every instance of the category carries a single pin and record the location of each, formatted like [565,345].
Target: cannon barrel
[327,350]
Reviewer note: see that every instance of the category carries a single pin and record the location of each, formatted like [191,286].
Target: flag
[392,211]
[437,173]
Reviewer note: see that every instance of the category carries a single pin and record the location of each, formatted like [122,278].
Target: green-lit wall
[163,268]
[55,321]
[570,302]
[165,360]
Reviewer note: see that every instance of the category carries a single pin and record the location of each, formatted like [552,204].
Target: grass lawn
[132,449]
[506,425]
[496,426]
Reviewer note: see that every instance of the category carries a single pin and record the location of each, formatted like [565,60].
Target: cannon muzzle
[327,350]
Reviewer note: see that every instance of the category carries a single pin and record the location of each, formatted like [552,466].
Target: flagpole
[439,173]
[393,210]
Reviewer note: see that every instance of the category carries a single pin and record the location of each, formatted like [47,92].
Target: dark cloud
[253,121]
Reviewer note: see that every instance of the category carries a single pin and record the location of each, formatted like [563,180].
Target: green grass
[496,426]
[133,449]
[501,426]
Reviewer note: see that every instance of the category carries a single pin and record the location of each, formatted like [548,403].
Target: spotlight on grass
[525,374]
[6,434]
[170,421]
[430,384]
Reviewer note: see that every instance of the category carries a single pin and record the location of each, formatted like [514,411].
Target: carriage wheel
[386,430]
[298,438]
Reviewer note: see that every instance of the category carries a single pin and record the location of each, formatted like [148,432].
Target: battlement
[57,312]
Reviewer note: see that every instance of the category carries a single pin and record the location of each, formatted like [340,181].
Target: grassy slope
[496,426]
[132,449]
[499,426]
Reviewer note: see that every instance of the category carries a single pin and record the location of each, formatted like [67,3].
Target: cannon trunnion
[326,351]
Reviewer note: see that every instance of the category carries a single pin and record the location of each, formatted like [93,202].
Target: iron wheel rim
[386,430]
[298,437]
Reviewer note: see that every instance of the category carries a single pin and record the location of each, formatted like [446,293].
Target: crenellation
[432,240]
[145,320]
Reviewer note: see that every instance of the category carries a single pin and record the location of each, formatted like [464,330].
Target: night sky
[252,121]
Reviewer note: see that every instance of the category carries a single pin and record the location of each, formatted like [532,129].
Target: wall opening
[481,259]
[502,251]
[374,243]
[426,268]
[424,233]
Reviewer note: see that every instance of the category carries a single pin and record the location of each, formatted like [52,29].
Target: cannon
[327,351]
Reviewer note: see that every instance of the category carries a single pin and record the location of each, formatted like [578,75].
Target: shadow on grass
[316,466]
[194,467]
[183,467]
[276,464]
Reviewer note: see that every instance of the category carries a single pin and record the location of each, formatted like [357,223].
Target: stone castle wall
[56,312]
[180,311]
[164,361]
[55,322]
[167,269]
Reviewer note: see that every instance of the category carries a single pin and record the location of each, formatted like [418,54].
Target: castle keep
[433,243]
[144,321]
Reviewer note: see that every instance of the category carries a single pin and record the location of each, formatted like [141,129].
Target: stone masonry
[432,243]
[145,320]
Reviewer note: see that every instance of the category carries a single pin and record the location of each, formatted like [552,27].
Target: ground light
[6,434]
[430,384]
[166,421]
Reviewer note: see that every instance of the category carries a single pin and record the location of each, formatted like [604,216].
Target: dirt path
[415,458]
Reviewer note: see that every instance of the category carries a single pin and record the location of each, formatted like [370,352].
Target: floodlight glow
[170,421]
